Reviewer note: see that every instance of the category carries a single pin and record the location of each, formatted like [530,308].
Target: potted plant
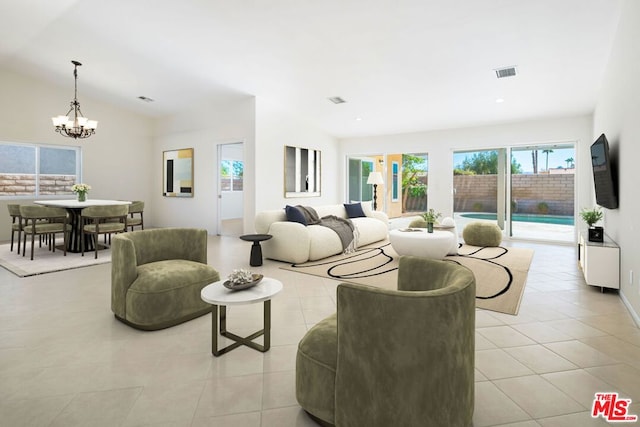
[591,217]
[431,217]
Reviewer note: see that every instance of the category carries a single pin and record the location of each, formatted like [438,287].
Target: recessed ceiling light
[337,100]
[145,99]
[358,119]
[499,101]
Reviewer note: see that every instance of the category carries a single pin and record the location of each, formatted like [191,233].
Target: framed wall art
[301,172]
[177,173]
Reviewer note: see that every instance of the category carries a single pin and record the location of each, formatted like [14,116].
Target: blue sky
[557,158]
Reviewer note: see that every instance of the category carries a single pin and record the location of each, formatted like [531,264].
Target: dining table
[74,208]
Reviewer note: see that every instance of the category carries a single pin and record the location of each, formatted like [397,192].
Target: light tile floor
[65,360]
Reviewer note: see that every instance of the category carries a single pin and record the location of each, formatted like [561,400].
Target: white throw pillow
[367,207]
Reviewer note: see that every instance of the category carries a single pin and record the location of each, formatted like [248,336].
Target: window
[232,175]
[33,170]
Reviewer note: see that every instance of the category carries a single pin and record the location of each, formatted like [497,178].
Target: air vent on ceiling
[501,73]
[145,99]
[337,100]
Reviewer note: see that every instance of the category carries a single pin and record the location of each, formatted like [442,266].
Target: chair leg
[12,234]
[33,236]
[95,245]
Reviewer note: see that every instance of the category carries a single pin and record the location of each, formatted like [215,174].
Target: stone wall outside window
[25,184]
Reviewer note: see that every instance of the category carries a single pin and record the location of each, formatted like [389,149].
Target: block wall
[532,194]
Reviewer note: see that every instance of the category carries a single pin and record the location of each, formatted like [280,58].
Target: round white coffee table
[217,295]
[418,242]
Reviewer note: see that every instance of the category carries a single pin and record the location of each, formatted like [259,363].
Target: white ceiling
[402,65]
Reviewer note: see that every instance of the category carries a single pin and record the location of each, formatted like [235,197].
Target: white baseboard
[625,301]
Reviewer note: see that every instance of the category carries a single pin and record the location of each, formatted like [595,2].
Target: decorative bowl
[245,285]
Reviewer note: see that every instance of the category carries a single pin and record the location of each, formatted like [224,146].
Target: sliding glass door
[359,170]
[479,185]
[543,192]
[533,198]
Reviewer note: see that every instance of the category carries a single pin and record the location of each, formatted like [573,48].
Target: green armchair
[394,358]
[157,276]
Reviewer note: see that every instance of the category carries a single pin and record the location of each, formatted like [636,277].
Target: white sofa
[296,243]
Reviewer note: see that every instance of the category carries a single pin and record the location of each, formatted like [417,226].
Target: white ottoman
[434,245]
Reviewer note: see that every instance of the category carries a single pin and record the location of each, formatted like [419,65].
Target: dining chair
[16,224]
[136,218]
[44,221]
[96,220]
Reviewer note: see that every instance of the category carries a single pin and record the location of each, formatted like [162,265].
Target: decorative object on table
[80,126]
[177,176]
[591,217]
[256,250]
[302,177]
[431,216]
[375,178]
[242,279]
[81,190]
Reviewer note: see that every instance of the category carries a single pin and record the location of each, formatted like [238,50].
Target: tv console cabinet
[600,262]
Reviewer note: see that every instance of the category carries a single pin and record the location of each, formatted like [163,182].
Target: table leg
[74,240]
[256,255]
[246,341]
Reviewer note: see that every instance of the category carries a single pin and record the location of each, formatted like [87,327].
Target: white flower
[80,188]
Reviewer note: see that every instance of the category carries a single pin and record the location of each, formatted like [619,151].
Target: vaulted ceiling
[403,65]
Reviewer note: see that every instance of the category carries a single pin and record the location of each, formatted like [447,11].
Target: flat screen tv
[603,174]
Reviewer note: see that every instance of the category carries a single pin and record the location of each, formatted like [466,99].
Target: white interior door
[230,189]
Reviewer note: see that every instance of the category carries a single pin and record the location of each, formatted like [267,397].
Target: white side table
[434,245]
[217,295]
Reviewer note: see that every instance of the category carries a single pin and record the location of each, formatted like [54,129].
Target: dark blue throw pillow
[354,210]
[294,214]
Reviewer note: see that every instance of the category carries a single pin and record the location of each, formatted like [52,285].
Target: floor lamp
[375,178]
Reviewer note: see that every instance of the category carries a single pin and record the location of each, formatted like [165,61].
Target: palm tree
[534,160]
[569,162]
[547,162]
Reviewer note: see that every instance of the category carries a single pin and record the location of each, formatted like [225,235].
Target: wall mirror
[177,175]
[301,172]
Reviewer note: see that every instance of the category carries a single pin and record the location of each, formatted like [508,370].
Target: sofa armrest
[123,272]
[264,219]
[290,242]
[381,216]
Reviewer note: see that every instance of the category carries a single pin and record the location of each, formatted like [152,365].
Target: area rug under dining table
[501,272]
[46,261]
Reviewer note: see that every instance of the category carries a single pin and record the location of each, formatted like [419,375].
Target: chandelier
[77,126]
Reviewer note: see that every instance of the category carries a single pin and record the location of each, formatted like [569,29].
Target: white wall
[203,128]
[617,115]
[439,145]
[276,128]
[116,160]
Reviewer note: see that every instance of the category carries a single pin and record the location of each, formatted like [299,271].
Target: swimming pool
[544,219]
